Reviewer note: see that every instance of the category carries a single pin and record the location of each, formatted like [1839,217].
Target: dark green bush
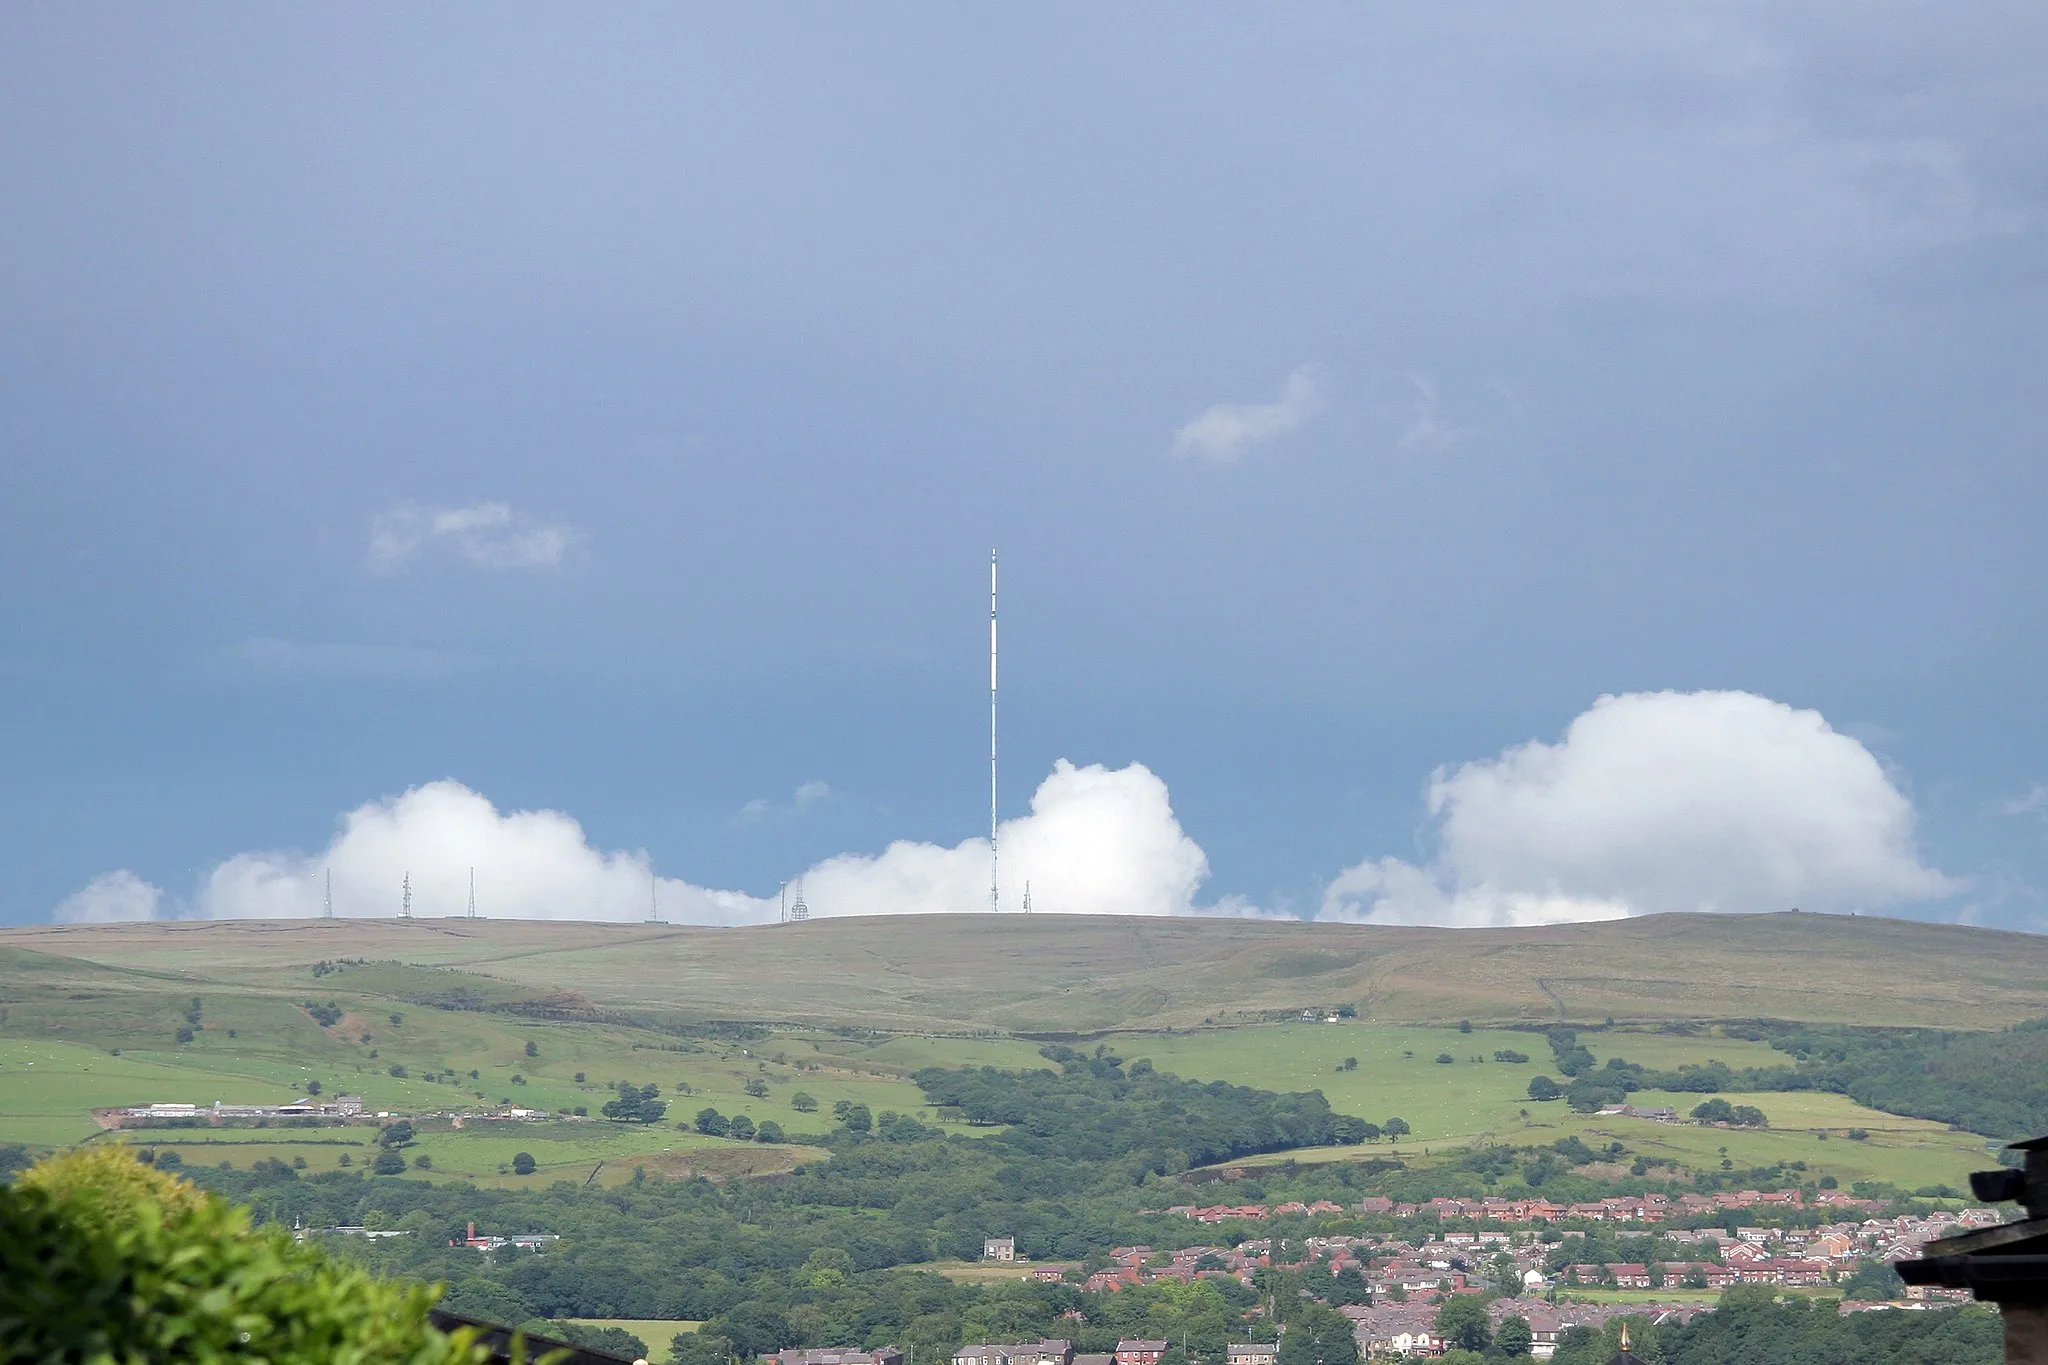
[105,1259]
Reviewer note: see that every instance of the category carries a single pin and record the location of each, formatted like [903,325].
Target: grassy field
[984,1272]
[114,1044]
[1397,1073]
[913,1053]
[49,1087]
[656,1332]
[1908,1152]
[1809,1128]
[1668,1052]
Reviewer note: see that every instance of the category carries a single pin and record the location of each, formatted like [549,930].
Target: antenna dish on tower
[405,899]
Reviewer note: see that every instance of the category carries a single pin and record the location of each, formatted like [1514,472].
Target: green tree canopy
[1462,1322]
[1318,1335]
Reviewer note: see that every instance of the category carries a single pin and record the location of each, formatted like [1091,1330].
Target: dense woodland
[1752,1327]
[1094,1109]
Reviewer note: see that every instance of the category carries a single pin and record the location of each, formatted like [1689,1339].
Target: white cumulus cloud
[532,864]
[488,535]
[110,898]
[1713,801]
[1096,840]
[1668,801]
[1226,431]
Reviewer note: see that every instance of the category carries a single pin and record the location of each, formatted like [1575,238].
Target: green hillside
[451,1017]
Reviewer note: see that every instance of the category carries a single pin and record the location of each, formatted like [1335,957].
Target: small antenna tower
[405,900]
[1027,897]
[327,897]
[653,896]
[995,902]
[798,911]
[472,893]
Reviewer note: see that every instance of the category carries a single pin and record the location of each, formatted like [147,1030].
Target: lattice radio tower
[327,897]
[798,911]
[405,899]
[472,895]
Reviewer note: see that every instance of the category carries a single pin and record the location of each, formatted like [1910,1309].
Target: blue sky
[611,411]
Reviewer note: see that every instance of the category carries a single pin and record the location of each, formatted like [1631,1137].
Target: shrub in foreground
[105,1259]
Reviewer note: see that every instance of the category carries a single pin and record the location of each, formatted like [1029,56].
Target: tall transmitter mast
[994,895]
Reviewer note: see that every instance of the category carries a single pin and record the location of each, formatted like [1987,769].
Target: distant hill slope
[1079,973]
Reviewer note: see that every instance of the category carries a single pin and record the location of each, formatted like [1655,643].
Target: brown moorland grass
[956,974]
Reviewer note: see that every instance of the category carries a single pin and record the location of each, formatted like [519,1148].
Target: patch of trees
[325,1012]
[1572,1058]
[1318,1335]
[739,1127]
[1094,1109]
[635,1104]
[1463,1323]
[1587,1085]
[1718,1110]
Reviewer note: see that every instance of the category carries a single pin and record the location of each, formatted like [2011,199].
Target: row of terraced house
[1132,1351]
[1643,1208]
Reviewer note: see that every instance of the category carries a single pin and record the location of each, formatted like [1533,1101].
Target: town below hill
[1292,1139]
